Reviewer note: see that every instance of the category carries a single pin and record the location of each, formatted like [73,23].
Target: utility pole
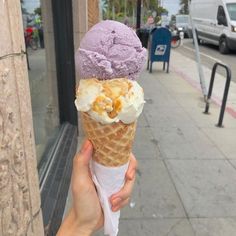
[125,7]
[108,9]
[138,20]
[198,58]
[113,12]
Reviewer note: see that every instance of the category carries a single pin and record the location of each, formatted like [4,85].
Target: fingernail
[114,209]
[116,201]
[85,146]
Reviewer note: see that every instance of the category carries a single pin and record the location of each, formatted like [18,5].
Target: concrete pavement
[186,177]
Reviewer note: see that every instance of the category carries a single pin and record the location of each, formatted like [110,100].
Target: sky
[171,5]
[30,5]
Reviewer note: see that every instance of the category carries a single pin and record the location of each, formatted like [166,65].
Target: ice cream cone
[112,142]
[109,60]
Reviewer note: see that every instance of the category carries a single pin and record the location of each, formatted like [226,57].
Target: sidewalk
[186,179]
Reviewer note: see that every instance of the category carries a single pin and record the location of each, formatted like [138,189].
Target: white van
[215,22]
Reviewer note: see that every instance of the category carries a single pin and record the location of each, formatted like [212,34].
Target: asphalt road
[209,55]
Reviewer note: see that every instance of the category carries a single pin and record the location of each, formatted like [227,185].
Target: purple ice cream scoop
[110,50]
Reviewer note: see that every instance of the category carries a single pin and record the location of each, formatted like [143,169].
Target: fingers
[120,199]
[86,152]
[84,155]
[121,205]
[81,168]
[130,174]
[81,172]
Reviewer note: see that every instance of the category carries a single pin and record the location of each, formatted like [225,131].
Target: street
[209,55]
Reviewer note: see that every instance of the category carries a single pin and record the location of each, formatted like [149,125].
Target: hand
[121,199]
[86,214]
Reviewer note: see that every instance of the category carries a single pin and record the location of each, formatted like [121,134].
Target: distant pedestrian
[41,36]
[126,21]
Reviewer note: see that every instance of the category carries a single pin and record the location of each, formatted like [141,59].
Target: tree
[38,11]
[104,7]
[110,8]
[161,10]
[184,7]
[117,9]
[150,5]
[23,9]
[120,9]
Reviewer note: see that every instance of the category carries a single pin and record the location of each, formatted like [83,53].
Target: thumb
[81,173]
[86,152]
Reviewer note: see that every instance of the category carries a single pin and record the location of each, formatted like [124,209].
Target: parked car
[182,22]
[215,22]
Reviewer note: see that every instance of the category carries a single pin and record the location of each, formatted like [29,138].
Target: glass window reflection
[39,41]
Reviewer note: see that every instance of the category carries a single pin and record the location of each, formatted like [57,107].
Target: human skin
[86,216]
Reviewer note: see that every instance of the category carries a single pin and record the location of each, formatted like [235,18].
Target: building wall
[85,15]
[20,212]
[93,12]
[80,22]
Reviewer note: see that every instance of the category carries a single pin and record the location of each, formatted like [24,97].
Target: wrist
[83,232]
[70,227]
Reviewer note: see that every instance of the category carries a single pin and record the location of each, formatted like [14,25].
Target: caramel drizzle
[110,102]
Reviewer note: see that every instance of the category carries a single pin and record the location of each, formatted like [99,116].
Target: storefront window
[39,40]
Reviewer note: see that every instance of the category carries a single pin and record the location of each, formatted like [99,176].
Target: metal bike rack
[226,90]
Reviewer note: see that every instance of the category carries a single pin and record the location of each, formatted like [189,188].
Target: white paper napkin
[108,180]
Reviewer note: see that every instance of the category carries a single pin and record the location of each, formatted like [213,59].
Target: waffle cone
[112,142]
